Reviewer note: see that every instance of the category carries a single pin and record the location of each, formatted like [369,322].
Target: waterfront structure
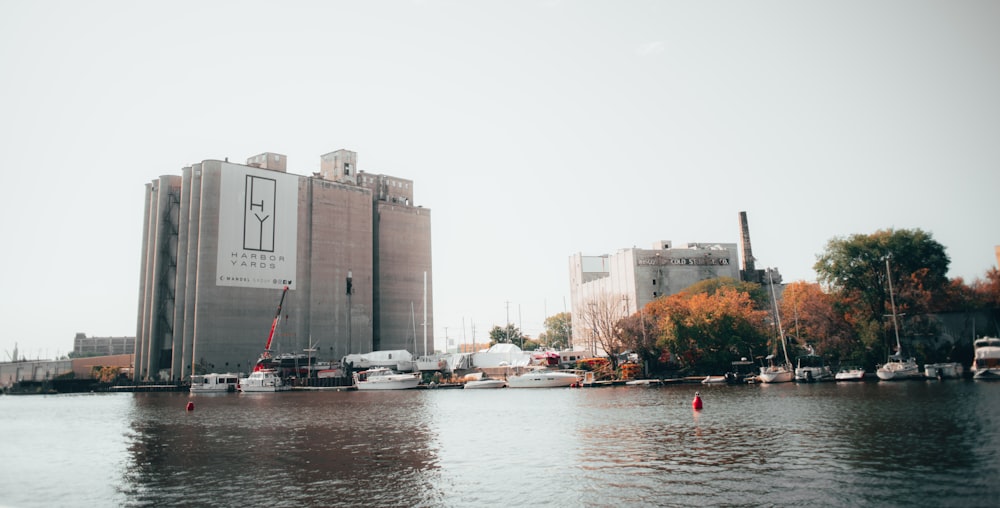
[631,278]
[102,346]
[221,241]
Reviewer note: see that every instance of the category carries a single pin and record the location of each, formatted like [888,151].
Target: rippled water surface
[910,443]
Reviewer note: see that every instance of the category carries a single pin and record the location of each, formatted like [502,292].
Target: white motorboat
[382,378]
[264,380]
[479,384]
[986,358]
[810,368]
[850,374]
[712,380]
[544,378]
[949,370]
[214,383]
[897,367]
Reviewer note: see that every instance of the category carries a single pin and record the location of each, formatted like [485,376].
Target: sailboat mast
[777,315]
[892,304]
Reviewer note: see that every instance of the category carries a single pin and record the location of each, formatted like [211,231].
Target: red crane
[264,361]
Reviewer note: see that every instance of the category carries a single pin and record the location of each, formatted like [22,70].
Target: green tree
[508,335]
[856,267]
[558,329]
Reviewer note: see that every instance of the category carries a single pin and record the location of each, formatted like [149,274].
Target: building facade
[221,241]
[631,278]
[102,346]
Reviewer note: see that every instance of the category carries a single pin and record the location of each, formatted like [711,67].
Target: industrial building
[634,277]
[221,241]
[102,346]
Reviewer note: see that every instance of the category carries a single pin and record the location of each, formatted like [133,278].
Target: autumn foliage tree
[705,332]
[812,317]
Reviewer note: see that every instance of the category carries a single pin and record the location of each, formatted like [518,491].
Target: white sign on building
[258,227]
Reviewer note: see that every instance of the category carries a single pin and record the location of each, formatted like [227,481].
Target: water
[910,443]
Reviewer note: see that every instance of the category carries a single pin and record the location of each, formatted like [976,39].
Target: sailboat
[897,367]
[773,372]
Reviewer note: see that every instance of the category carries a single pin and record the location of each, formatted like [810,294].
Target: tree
[558,330]
[856,271]
[639,334]
[601,316]
[816,322]
[856,267]
[509,335]
[705,332]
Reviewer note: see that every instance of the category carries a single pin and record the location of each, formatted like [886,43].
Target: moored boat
[214,383]
[382,378]
[712,380]
[544,378]
[480,384]
[811,368]
[264,380]
[898,366]
[986,358]
[849,373]
[949,370]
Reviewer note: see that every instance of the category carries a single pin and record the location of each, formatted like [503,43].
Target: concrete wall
[403,257]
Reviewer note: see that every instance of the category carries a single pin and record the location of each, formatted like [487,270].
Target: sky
[532,130]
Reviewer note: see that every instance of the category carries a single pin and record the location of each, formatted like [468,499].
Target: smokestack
[748,273]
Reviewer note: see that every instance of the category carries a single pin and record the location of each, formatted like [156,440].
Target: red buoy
[190,406]
[696,403]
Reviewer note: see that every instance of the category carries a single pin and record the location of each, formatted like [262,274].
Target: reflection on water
[868,444]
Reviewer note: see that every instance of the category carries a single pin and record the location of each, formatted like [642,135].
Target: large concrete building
[222,240]
[634,277]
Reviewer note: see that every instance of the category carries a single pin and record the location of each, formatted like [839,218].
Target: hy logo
[258,213]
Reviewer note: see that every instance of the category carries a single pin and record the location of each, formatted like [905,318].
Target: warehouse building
[221,241]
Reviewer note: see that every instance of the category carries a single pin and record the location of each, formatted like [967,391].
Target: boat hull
[483,384]
[543,380]
[776,375]
[944,370]
[895,371]
[263,382]
[850,375]
[813,374]
[385,379]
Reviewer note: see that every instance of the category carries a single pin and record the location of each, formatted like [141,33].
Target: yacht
[986,358]
[214,383]
[264,380]
[898,367]
[382,378]
[544,378]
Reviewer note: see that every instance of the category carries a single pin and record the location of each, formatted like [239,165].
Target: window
[654,294]
[654,282]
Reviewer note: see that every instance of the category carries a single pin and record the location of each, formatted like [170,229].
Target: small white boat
[811,368]
[850,374]
[485,384]
[214,383]
[950,370]
[986,358]
[382,378]
[712,380]
[898,368]
[544,378]
[265,380]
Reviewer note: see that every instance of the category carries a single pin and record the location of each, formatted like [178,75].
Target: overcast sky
[533,130]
